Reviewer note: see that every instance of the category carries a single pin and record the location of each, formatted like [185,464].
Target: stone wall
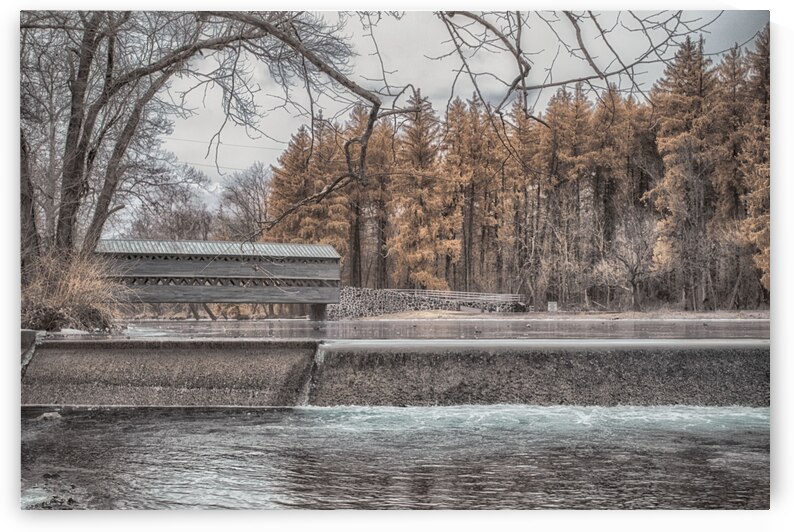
[367,302]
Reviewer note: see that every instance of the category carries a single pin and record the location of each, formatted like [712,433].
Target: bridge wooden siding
[158,271]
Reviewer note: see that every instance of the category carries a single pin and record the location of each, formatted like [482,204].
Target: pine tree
[421,239]
[735,271]
[306,168]
[356,204]
[291,183]
[456,172]
[370,216]
[382,163]
[547,274]
[685,196]
[755,156]
[518,203]
[530,181]
[729,114]
[566,157]
[584,213]
[328,222]
[482,217]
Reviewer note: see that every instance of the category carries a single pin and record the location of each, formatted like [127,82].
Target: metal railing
[473,297]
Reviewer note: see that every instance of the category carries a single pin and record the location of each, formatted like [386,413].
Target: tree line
[601,201]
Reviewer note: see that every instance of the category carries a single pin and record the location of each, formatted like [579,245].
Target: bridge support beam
[209,312]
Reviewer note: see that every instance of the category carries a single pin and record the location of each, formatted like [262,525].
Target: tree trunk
[735,291]
[74,149]
[381,275]
[635,296]
[30,245]
[209,312]
[468,230]
[354,255]
[115,169]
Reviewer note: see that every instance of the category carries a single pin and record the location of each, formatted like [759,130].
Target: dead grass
[70,292]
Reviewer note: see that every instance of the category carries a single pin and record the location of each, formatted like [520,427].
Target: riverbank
[658,314]
[654,315]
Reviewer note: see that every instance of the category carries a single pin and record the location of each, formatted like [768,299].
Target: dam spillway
[384,415]
[398,372]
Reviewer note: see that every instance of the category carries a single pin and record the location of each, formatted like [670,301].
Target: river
[493,456]
[471,328]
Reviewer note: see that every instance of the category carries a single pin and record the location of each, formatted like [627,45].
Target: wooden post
[317,312]
[207,309]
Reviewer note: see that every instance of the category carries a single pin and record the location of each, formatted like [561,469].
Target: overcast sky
[406,47]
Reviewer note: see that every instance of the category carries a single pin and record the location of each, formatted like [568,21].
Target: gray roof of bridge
[216,248]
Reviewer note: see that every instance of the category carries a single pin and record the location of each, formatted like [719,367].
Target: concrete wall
[183,372]
[28,344]
[590,372]
[399,372]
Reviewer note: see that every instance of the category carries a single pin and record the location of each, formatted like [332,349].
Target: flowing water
[506,328]
[497,456]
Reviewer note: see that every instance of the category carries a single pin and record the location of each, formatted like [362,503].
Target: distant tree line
[597,203]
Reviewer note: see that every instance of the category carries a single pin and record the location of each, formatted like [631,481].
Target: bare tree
[244,202]
[120,65]
[174,211]
[585,38]
[630,262]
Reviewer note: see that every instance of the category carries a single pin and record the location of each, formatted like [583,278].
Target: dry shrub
[72,292]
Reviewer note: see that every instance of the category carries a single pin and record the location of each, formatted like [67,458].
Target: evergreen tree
[566,157]
[482,217]
[597,201]
[382,163]
[519,203]
[755,156]
[734,264]
[457,172]
[368,206]
[729,113]
[421,237]
[306,168]
[685,195]
[290,184]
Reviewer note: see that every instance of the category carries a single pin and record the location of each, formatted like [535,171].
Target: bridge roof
[216,248]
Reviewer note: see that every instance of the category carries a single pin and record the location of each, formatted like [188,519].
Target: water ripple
[499,456]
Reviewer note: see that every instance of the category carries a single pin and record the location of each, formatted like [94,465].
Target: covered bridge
[165,271]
